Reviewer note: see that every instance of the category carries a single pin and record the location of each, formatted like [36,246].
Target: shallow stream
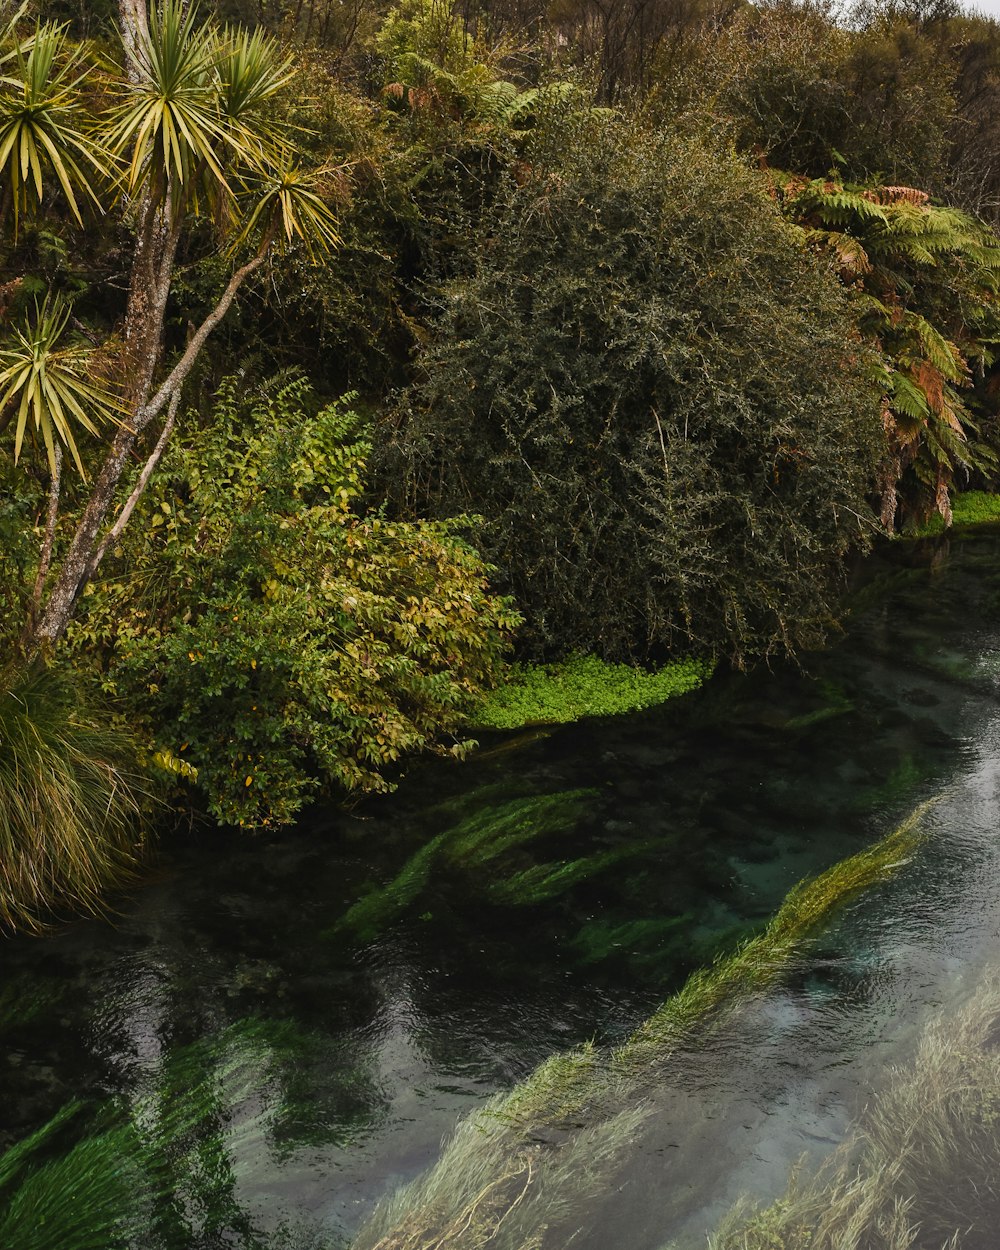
[338,997]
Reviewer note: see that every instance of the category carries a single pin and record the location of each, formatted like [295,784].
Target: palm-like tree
[45,381]
[44,130]
[192,131]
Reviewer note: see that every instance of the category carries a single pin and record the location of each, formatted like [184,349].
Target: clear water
[550,891]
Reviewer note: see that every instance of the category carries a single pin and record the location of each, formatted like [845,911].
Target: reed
[922,1167]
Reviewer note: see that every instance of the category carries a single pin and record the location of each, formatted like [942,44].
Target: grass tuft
[922,1168]
[71,824]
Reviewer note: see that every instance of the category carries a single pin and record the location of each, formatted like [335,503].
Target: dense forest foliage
[350,348]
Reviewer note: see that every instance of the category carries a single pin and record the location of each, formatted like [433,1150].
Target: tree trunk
[83,549]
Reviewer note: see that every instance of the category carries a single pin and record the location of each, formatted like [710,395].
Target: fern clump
[926,284]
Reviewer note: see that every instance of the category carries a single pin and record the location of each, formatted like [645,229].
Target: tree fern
[926,284]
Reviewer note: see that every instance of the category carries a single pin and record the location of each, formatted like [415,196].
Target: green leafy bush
[583,685]
[656,396]
[270,637]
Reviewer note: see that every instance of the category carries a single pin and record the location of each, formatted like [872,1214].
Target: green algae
[506,1177]
[582,686]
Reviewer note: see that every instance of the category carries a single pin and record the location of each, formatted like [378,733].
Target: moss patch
[555,694]
[973,507]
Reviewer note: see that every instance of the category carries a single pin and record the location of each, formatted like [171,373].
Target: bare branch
[148,468]
[45,557]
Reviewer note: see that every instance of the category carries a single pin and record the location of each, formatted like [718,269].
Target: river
[337,997]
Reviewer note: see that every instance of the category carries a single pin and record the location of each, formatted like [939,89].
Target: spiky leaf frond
[168,126]
[288,205]
[48,383]
[43,130]
[251,72]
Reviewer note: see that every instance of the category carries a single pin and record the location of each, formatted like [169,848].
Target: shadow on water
[380,975]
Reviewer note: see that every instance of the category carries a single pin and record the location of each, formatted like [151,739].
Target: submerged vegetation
[919,1169]
[479,847]
[513,1173]
[161,1165]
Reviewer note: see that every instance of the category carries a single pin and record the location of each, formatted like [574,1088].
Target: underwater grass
[584,685]
[476,843]
[160,1170]
[512,1173]
[922,1167]
[71,802]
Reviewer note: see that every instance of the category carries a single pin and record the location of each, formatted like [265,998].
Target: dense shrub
[271,637]
[812,94]
[656,396]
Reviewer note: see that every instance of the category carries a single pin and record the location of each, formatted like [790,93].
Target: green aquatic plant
[71,801]
[920,1168]
[24,997]
[545,881]
[164,1163]
[506,1178]
[908,775]
[474,843]
[483,836]
[78,1199]
[836,702]
[971,508]
[647,938]
[366,918]
[584,685]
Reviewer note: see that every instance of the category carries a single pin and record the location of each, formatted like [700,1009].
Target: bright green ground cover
[974,507]
[581,686]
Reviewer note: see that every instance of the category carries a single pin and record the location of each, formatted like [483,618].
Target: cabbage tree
[190,131]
